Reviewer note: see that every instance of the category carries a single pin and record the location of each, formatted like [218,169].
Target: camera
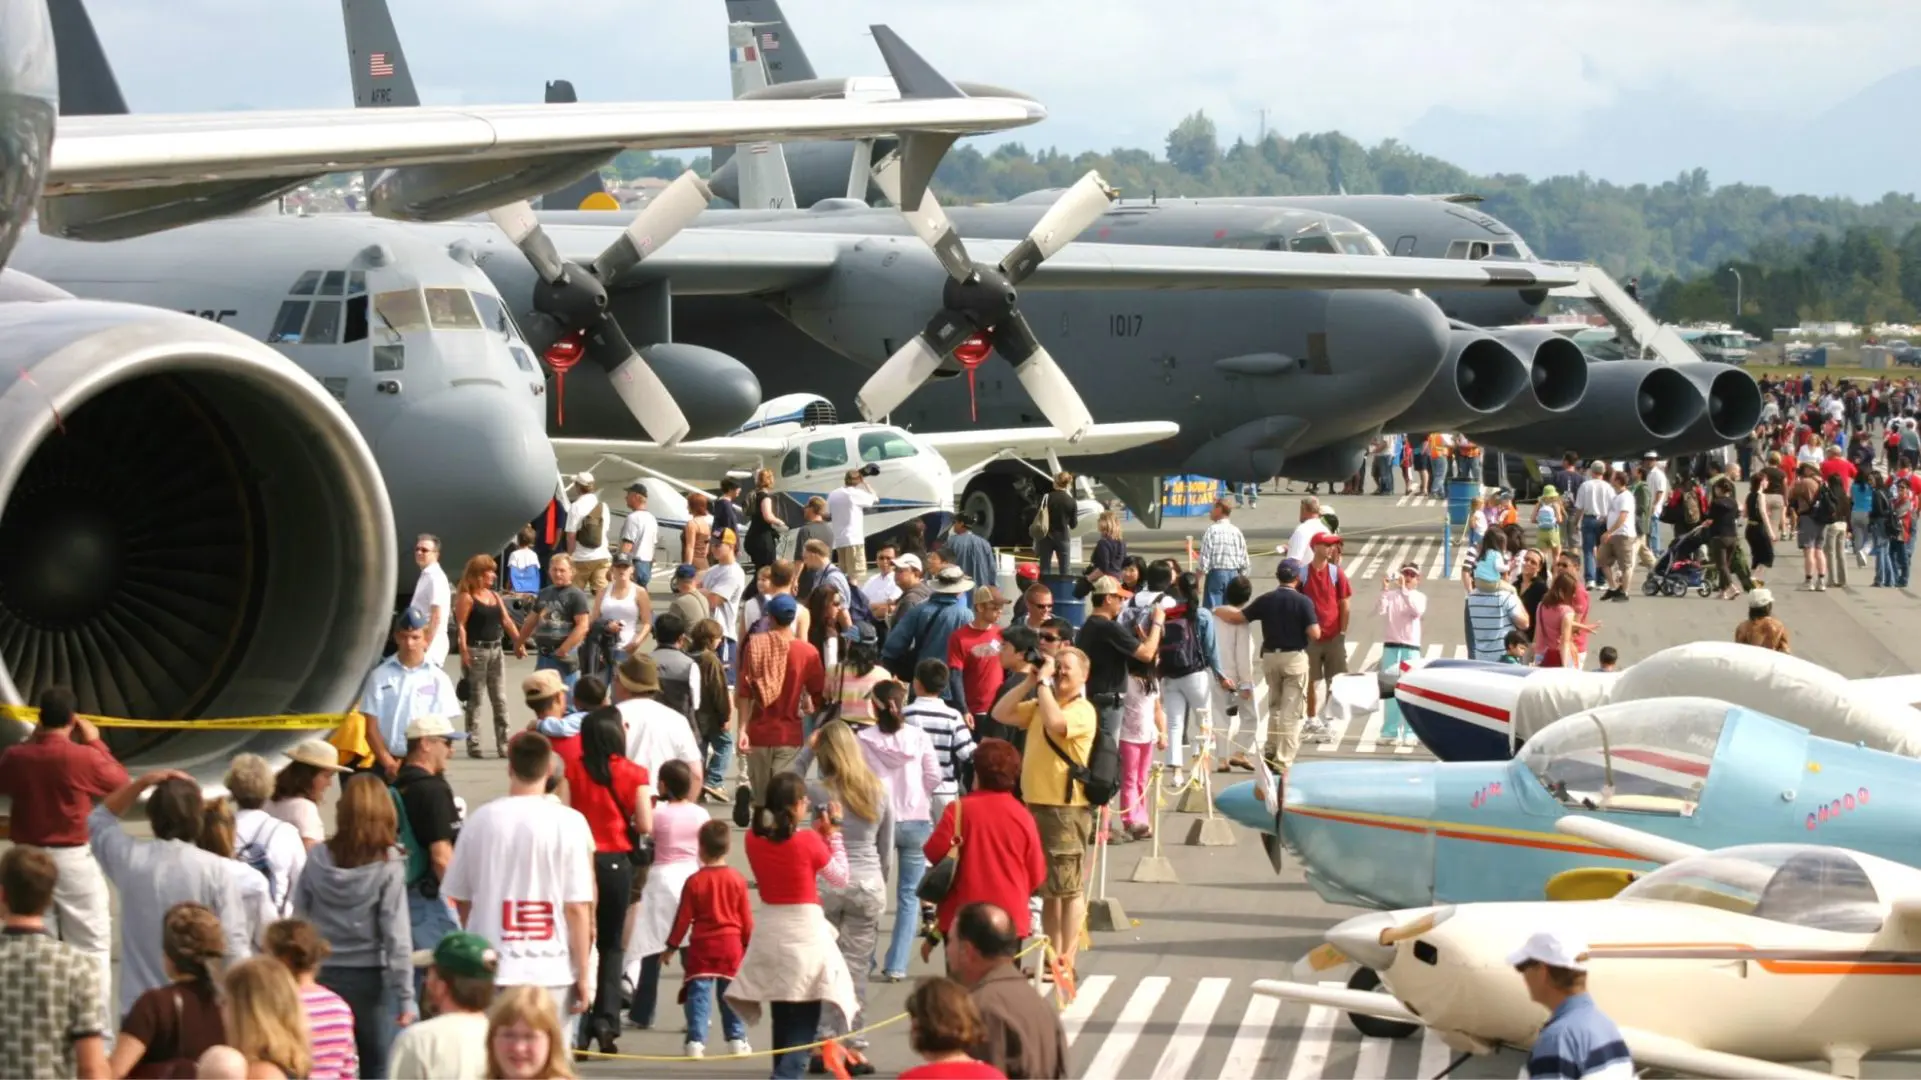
[1034,657]
[870,469]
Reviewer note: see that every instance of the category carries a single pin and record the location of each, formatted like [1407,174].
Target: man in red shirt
[53,778]
[974,651]
[1327,585]
[776,667]
[1837,465]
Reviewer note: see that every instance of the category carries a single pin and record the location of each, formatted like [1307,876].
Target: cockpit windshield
[1815,887]
[493,316]
[1638,756]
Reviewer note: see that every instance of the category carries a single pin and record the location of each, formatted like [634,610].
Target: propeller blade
[677,205]
[1044,380]
[517,220]
[928,221]
[638,386]
[903,373]
[1078,208]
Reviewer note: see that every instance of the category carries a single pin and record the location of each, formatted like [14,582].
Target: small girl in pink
[677,822]
[1143,730]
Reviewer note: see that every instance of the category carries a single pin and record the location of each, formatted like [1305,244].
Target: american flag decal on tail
[379,66]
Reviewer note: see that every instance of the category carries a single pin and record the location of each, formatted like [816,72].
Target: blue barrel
[1066,604]
[1460,498]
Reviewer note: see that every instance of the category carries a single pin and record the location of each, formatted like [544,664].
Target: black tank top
[483,623]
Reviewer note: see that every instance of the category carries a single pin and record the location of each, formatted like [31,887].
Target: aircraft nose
[470,464]
[1359,939]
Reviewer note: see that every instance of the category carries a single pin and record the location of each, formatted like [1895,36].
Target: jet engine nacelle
[1557,372]
[1631,406]
[1731,406]
[1479,378]
[193,528]
[461,189]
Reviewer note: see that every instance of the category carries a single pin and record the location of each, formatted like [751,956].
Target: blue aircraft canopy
[1816,887]
[1643,756]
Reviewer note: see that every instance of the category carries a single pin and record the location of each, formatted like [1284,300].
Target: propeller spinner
[574,297]
[982,299]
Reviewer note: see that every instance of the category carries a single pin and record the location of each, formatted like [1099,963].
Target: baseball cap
[414,618]
[433,727]
[988,595]
[1106,585]
[724,536]
[1288,572]
[542,685]
[685,571]
[622,558]
[1326,538]
[782,608]
[637,488]
[1650,456]
[460,955]
[1028,571]
[909,561]
[1553,948]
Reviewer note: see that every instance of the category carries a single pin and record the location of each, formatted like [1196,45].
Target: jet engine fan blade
[677,205]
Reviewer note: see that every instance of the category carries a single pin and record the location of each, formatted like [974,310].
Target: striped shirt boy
[953,739]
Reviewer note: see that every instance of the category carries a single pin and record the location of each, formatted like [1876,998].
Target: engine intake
[1479,378]
[1631,406]
[1731,403]
[193,528]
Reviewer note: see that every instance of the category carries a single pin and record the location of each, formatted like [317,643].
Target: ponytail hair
[775,819]
[889,696]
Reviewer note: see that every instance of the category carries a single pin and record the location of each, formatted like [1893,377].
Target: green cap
[461,955]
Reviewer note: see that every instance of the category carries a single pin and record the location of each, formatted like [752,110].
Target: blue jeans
[363,989]
[432,920]
[1591,528]
[720,750]
[700,1004]
[644,572]
[647,994]
[795,1023]
[909,838]
[1884,573]
[1654,533]
[1215,591]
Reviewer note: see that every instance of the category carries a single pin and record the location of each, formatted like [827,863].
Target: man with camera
[846,511]
[1107,646]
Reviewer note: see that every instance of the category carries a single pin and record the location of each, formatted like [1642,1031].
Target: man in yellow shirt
[1067,723]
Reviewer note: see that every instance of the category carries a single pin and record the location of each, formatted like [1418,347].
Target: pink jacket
[1401,610]
[906,763]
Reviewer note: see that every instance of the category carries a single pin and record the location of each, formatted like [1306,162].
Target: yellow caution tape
[296,722]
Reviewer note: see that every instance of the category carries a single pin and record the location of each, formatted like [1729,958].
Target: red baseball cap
[1326,538]
[1027,571]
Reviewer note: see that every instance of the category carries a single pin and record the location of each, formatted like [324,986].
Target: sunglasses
[1049,606]
[424,548]
[1051,639]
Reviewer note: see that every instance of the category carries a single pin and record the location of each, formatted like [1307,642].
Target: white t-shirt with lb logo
[519,861]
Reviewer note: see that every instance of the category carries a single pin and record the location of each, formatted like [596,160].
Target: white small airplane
[798,437]
[1723,962]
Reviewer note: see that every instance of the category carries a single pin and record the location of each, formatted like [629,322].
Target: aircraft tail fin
[375,60]
[590,191]
[764,180]
[786,61]
[87,85]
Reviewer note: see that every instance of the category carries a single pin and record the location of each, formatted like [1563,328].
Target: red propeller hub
[561,356]
[973,350]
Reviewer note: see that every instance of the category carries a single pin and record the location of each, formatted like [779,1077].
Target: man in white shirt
[846,510]
[656,733]
[593,563]
[1300,546]
[460,986]
[1592,500]
[433,595]
[723,584]
[882,590]
[641,535]
[1619,539]
[1658,491]
[523,878]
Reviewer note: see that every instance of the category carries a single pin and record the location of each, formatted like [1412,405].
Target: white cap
[1553,948]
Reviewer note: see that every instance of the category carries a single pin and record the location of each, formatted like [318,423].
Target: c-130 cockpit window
[321,322]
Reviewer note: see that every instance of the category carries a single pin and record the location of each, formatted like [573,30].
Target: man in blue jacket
[922,633]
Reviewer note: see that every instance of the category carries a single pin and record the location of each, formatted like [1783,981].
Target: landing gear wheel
[1373,1026]
[994,501]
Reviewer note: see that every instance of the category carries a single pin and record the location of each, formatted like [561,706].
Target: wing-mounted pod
[1478,380]
[1731,406]
[1631,406]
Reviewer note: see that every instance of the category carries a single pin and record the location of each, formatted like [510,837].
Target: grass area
[1833,372]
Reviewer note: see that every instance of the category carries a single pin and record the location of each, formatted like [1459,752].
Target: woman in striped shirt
[330,1023]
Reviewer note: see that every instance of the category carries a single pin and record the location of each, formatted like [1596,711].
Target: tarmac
[1168,995]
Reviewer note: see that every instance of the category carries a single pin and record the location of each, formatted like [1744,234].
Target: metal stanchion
[1104,913]
[1154,867]
[1211,830]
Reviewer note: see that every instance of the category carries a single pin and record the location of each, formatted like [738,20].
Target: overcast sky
[1112,72]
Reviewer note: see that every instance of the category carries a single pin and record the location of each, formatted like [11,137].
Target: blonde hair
[845,772]
[532,1006]
[365,825]
[1479,503]
[264,1017]
[1109,524]
[764,478]
[559,558]
[217,828]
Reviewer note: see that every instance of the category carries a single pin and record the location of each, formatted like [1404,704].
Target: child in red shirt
[714,905]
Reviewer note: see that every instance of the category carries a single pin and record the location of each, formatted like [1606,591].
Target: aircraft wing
[106,153]
[1678,1055]
[1035,442]
[1128,266]
[1898,689]
[1365,1002]
[696,459]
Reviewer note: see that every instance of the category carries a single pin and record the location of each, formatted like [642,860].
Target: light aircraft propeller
[574,297]
[981,300]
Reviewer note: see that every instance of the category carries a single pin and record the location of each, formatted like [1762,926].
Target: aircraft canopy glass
[1816,887]
[451,309]
[885,446]
[1639,756]
[401,310]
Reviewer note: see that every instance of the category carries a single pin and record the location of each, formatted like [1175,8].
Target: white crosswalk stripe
[1134,1017]
[1250,1040]
[1185,1042]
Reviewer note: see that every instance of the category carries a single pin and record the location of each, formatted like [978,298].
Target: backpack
[859,608]
[1832,504]
[1544,516]
[1180,647]
[1100,778]
[254,854]
[418,866]
[592,531]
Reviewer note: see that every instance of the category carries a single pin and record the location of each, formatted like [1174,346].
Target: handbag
[640,848]
[939,879]
[830,710]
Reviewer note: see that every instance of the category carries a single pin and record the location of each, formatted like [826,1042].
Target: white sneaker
[739,1047]
[694,1050]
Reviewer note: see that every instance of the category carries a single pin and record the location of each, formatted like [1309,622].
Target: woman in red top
[1000,858]
[612,794]
[793,960]
[944,1024]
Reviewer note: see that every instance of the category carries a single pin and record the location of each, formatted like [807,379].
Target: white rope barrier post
[1104,913]
[1154,867]
[1211,830]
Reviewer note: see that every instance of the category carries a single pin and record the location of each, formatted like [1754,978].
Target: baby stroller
[1679,567]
